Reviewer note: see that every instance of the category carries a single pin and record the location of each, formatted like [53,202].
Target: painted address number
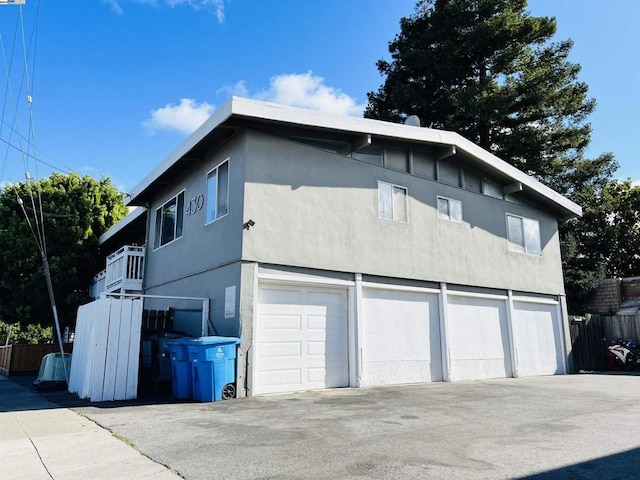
[195,204]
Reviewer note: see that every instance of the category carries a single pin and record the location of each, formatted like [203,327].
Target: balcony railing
[124,272]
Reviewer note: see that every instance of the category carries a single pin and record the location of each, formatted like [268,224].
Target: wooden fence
[591,335]
[23,359]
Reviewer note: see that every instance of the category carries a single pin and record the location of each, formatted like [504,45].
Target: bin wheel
[228,391]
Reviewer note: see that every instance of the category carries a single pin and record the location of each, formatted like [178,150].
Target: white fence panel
[133,359]
[106,350]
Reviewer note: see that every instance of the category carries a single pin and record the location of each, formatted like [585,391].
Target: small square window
[449,209]
[392,202]
[524,235]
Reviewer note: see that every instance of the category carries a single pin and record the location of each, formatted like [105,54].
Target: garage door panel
[280,349]
[325,299]
[402,337]
[537,339]
[271,381]
[478,338]
[280,296]
[317,349]
[281,321]
[476,369]
[316,322]
[319,333]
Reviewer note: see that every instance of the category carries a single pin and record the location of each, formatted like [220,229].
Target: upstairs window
[449,209]
[523,235]
[392,202]
[169,218]
[217,192]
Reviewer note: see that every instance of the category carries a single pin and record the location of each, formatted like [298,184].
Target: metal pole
[47,274]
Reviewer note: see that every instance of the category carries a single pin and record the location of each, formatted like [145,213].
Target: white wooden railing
[97,285]
[124,272]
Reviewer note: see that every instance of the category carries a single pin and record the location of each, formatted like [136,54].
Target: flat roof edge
[132,216]
[255,109]
[219,116]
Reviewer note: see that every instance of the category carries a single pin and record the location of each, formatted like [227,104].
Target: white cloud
[304,90]
[216,5]
[115,6]
[309,91]
[239,89]
[298,90]
[184,117]
[636,183]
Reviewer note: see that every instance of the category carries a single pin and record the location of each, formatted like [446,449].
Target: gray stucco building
[348,252]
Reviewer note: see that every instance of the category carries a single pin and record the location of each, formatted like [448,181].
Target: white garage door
[478,338]
[401,337]
[301,339]
[537,338]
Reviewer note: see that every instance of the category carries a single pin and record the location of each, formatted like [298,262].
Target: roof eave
[238,107]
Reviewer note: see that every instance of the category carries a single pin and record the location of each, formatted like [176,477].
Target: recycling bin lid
[180,341]
[215,340]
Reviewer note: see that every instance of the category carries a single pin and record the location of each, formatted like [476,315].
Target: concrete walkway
[41,440]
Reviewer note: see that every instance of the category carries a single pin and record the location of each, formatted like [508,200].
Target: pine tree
[488,70]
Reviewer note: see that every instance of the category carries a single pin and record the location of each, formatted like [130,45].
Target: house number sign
[195,204]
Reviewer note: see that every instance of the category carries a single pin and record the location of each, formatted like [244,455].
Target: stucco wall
[206,259]
[211,284]
[320,210]
[202,246]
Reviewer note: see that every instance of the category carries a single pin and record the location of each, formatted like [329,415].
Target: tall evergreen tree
[76,211]
[490,71]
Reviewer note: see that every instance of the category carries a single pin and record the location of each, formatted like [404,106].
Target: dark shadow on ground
[624,465]
[17,393]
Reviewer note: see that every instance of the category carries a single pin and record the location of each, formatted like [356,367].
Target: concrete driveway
[579,426]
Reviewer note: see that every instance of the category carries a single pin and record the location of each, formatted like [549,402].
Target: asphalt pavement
[561,427]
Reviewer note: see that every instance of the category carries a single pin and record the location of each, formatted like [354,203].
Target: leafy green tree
[605,242]
[76,211]
[490,71]
[29,334]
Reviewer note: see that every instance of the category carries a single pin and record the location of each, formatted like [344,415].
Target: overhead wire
[31,152]
[37,226]
[8,94]
[32,138]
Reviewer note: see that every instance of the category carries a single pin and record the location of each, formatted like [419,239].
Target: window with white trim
[449,209]
[169,218]
[524,235]
[217,192]
[392,202]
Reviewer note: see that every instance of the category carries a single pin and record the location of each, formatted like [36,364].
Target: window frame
[393,203]
[448,216]
[216,169]
[526,248]
[178,219]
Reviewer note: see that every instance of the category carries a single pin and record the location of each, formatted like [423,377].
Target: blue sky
[118,84]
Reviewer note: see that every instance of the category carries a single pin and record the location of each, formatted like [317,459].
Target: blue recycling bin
[213,367]
[182,387]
